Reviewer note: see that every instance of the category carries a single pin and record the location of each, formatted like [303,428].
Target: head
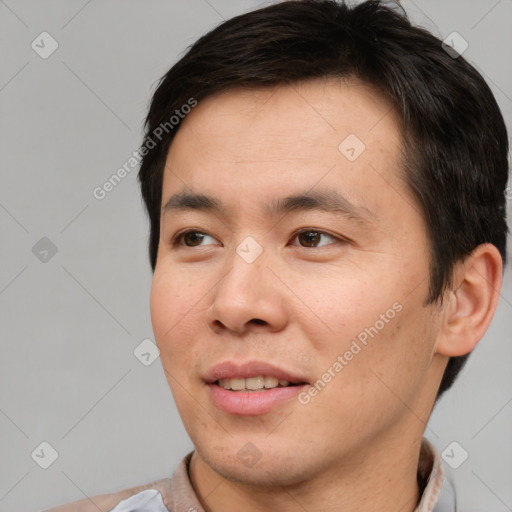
[364,169]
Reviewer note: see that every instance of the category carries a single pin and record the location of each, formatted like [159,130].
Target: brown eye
[192,238]
[309,238]
[312,238]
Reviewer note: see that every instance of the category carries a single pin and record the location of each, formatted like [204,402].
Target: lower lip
[252,402]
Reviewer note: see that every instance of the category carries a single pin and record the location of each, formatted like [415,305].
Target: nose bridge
[246,292]
[243,282]
[247,266]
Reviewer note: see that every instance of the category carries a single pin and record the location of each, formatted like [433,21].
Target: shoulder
[106,502]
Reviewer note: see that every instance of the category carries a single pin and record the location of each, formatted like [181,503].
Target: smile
[253,383]
[252,387]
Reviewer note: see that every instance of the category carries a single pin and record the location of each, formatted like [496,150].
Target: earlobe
[471,302]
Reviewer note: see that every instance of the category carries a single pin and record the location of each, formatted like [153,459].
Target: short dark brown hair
[454,136]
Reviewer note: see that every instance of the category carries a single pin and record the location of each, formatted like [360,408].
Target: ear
[472,301]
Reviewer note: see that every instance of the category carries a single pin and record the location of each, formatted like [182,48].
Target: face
[291,250]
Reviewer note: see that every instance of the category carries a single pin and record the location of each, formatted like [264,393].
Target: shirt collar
[431,473]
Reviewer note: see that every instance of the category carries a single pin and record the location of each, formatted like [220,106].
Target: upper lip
[232,370]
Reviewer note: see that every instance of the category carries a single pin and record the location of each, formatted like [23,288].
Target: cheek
[391,368]
[372,324]
[175,312]
[341,307]
[176,317]
[172,294]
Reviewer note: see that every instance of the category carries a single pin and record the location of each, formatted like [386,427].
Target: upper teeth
[252,383]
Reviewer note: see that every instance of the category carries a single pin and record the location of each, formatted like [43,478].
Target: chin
[272,469]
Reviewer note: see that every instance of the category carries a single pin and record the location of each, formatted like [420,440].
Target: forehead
[285,137]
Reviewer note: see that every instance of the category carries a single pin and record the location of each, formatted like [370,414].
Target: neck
[380,476]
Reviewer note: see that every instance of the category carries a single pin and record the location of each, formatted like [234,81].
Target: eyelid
[321,232]
[178,237]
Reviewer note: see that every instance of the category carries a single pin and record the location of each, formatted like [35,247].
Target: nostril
[258,321]
[216,326]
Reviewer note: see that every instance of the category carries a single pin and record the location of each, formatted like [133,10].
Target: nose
[248,298]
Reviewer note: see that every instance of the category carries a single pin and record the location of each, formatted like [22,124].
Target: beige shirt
[176,494]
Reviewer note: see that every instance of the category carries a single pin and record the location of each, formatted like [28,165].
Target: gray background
[69,325]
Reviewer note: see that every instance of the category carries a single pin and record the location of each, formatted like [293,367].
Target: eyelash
[178,238]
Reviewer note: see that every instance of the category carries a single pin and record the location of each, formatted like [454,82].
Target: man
[327,238]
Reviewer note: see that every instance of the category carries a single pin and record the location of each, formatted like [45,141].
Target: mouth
[251,388]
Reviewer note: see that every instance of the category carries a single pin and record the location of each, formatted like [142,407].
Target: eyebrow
[326,200]
[188,201]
